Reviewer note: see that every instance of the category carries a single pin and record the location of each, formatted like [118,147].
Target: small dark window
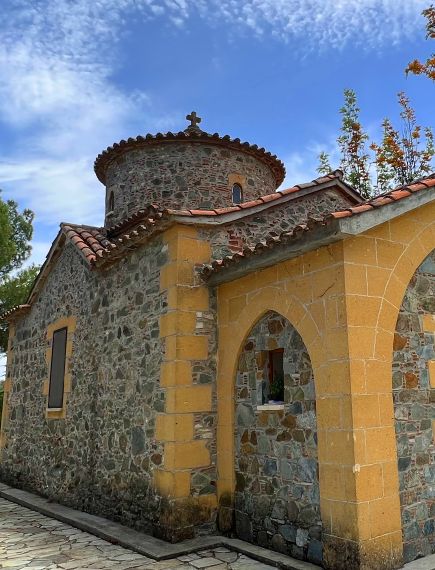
[237,194]
[276,375]
[57,370]
[111,204]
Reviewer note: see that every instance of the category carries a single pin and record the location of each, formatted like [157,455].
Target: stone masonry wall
[277,490]
[414,404]
[183,176]
[228,239]
[100,458]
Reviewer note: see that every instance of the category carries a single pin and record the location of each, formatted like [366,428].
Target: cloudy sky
[78,75]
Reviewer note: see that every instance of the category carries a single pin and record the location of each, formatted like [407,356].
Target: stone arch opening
[413,372]
[277,503]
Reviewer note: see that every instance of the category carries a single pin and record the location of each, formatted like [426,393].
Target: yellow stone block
[380,444]
[188,298]
[185,399]
[362,311]
[378,376]
[179,230]
[429,323]
[236,306]
[329,281]
[384,516]
[175,373]
[350,520]
[209,501]
[341,446]
[176,273]
[331,482]
[390,477]
[337,344]
[169,484]
[355,277]
[186,249]
[360,249]
[188,455]
[365,410]
[188,347]
[319,259]
[361,342]
[333,378]
[384,344]
[386,409]
[329,411]
[174,427]
[369,482]
[177,322]
[388,252]
[377,278]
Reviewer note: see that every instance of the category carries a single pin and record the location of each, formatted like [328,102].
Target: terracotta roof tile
[16,311]
[393,196]
[104,159]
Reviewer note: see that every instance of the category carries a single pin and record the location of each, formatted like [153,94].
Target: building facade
[222,357]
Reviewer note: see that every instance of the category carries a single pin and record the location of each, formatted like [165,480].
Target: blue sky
[78,75]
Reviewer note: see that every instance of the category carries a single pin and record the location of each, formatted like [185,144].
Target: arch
[252,309]
[413,356]
[413,255]
[276,464]
[237,194]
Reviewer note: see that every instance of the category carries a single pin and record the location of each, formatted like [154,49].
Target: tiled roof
[16,311]
[189,135]
[91,241]
[154,213]
[274,198]
[312,223]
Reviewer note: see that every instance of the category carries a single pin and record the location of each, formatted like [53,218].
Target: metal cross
[194,120]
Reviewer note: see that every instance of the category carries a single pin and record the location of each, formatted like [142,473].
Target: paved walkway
[31,540]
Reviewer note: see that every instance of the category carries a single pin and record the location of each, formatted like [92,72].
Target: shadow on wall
[277,503]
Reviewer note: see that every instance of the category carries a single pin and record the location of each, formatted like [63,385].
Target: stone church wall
[183,176]
[414,405]
[226,240]
[101,457]
[277,502]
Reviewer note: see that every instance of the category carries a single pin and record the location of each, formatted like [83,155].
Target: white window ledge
[270,407]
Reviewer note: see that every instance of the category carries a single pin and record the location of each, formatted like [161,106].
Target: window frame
[238,185]
[52,381]
[68,323]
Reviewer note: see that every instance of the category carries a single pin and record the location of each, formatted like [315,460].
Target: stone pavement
[31,540]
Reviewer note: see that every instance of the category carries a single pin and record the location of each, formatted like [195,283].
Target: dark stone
[137,440]
[243,526]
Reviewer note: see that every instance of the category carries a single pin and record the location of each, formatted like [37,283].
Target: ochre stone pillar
[7,389]
[184,344]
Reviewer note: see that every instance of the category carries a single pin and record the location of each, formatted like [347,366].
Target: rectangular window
[57,370]
[276,375]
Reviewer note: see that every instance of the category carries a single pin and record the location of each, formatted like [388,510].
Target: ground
[31,540]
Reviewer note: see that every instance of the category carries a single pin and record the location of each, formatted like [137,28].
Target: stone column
[184,450]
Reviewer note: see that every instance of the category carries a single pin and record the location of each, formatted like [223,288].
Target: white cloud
[57,93]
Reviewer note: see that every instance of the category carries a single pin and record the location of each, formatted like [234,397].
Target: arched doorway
[277,502]
[414,407]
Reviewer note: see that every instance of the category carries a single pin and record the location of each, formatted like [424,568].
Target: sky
[79,75]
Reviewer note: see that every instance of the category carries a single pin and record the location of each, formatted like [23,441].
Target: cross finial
[194,120]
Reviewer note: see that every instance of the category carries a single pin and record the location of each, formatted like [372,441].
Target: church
[223,357]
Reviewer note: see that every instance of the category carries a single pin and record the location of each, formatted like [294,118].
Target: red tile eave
[370,205]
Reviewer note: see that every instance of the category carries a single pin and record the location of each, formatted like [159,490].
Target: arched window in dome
[111,202]
[237,194]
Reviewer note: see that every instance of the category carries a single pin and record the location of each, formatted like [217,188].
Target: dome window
[237,194]
[111,203]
